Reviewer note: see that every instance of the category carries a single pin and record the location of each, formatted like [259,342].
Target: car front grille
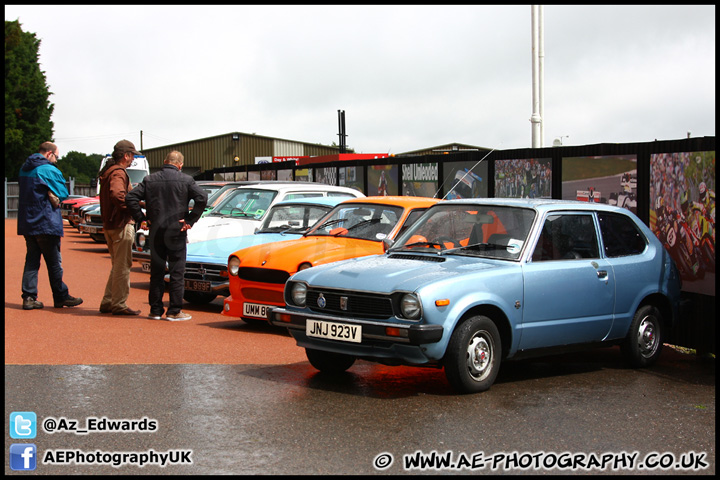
[206,271]
[348,303]
[263,275]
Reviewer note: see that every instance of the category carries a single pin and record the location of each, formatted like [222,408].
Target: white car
[242,210]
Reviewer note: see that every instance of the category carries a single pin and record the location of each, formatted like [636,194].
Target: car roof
[312,186]
[544,204]
[326,201]
[401,201]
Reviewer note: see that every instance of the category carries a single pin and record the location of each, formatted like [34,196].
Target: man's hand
[184,226]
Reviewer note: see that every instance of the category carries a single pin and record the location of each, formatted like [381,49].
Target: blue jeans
[47,246]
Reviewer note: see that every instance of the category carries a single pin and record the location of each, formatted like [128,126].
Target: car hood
[388,273]
[218,250]
[315,249]
[213,228]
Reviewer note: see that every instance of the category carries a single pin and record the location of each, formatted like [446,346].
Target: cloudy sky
[408,77]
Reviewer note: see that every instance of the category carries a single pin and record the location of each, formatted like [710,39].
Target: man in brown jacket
[118,227]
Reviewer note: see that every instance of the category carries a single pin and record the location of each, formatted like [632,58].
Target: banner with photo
[682,214]
[610,179]
[326,175]
[303,175]
[353,177]
[420,179]
[382,180]
[523,178]
[465,180]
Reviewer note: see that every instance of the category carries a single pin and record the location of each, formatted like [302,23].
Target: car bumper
[382,340]
[93,229]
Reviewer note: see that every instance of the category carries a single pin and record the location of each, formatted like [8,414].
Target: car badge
[344,303]
[321,301]
[202,271]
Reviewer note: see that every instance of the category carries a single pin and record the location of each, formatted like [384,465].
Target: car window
[620,235]
[340,194]
[293,196]
[244,203]
[411,219]
[365,221]
[293,218]
[473,230]
[567,237]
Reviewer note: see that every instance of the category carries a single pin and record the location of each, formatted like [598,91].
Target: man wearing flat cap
[119,228]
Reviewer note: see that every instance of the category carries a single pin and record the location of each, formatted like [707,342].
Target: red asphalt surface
[83,336]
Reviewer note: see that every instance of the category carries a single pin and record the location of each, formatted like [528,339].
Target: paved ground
[241,399]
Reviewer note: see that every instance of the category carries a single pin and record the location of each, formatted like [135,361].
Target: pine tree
[27,106]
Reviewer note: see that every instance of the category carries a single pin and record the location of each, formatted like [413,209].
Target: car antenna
[461,179]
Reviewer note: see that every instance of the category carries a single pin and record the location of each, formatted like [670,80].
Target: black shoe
[31,303]
[105,309]
[69,302]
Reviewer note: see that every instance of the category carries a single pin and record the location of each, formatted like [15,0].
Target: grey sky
[408,77]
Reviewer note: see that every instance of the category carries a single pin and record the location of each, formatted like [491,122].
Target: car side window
[620,235]
[567,237]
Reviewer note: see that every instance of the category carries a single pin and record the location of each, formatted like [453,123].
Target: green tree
[81,166]
[27,108]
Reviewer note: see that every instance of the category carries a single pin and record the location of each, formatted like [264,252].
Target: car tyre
[643,343]
[199,298]
[473,356]
[329,362]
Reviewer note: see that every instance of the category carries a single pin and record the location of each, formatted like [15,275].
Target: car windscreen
[490,231]
[244,203]
[363,221]
[292,218]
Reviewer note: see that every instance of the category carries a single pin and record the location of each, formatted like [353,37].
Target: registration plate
[256,310]
[334,331]
[91,229]
[198,286]
[145,267]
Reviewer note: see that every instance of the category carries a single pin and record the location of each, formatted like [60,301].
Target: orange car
[354,228]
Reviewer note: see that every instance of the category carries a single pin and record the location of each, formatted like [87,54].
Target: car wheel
[329,362]
[643,343]
[199,298]
[472,360]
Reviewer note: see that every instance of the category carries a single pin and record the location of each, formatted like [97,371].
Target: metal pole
[535,118]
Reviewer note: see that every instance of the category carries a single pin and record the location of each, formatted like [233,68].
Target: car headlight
[298,293]
[140,241]
[410,306]
[233,266]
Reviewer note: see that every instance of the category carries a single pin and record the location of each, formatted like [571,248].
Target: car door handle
[602,274]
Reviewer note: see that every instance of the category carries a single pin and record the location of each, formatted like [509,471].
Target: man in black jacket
[167,194]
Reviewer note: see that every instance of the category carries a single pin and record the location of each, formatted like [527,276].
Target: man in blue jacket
[41,223]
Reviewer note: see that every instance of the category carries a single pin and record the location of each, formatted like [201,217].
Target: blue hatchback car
[475,282]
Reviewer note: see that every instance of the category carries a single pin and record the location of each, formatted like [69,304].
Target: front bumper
[91,228]
[380,340]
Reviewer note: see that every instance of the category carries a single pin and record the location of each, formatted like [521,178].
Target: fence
[12,191]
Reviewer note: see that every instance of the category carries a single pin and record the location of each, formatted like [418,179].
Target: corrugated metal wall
[220,151]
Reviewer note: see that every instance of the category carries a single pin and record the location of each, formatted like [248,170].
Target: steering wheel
[442,239]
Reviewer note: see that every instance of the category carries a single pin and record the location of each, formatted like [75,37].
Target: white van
[137,170]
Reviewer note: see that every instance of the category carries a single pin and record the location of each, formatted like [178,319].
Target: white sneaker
[178,317]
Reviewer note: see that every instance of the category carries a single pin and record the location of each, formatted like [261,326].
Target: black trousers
[168,247]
